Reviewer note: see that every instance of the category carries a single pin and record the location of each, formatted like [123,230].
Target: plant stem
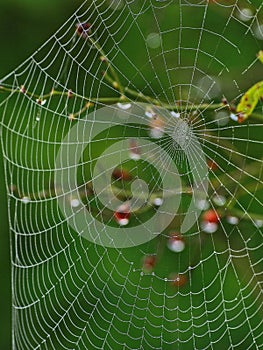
[111,68]
[112,100]
[125,194]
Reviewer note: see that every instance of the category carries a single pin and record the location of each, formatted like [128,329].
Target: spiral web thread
[69,293]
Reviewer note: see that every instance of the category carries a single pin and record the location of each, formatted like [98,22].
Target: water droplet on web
[135,156]
[25,200]
[233,220]
[219,200]
[234,117]
[222,118]
[74,203]
[245,14]
[258,31]
[124,106]
[259,223]
[176,243]
[202,204]
[153,40]
[149,113]
[134,150]
[209,227]
[41,102]
[158,201]
[175,115]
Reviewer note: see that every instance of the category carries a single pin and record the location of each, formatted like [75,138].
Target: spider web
[177,59]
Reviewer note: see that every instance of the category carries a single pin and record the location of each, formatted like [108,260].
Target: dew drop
[209,227]
[74,202]
[258,31]
[134,156]
[259,223]
[219,200]
[202,204]
[25,200]
[153,40]
[245,14]
[158,201]
[176,243]
[175,115]
[124,106]
[233,117]
[149,114]
[134,151]
[232,220]
[41,102]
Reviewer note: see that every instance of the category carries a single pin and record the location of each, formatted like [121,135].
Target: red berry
[121,174]
[122,214]
[212,165]
[211,216]
[149,263]
[179,280]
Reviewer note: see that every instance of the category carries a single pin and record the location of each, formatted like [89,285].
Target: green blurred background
[24,26]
